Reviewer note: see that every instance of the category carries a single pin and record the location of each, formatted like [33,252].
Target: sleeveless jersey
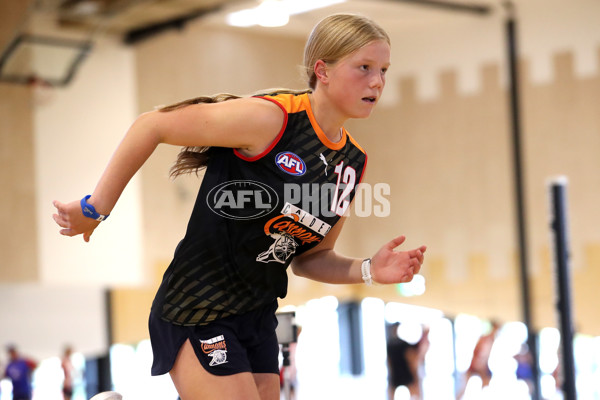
[253,215]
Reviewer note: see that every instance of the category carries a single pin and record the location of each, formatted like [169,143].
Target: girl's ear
[321,71]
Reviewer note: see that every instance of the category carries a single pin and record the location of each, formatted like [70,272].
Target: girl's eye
[364,67]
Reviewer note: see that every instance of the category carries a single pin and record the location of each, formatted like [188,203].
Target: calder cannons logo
[242,199]
[216,348]
[293,225]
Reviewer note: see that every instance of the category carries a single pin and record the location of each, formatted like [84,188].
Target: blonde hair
[332,39]
[337,36]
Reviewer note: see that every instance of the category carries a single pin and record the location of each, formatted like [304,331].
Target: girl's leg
[268,386]
[193,382]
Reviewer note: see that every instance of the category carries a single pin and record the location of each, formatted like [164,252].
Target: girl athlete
[212,323]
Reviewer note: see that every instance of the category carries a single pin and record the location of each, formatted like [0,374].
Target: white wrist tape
[365,270]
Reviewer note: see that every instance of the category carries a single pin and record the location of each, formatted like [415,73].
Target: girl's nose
[378,80]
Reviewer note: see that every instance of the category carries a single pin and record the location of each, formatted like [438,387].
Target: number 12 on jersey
[347,177]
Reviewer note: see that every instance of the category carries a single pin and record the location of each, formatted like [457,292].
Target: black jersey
[253,215]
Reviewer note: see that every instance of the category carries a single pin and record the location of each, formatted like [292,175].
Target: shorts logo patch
[216,348]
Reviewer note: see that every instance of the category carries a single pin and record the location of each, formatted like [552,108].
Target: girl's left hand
[389,266]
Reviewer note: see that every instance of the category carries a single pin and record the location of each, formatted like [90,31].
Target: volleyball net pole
[557,188]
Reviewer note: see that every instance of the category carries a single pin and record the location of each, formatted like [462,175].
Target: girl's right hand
[70,217]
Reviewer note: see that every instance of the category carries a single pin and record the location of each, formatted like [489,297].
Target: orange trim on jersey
[324,139]
[297,103]
[274,142]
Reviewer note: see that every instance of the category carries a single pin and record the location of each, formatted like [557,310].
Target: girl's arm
[323,264]
[248,124]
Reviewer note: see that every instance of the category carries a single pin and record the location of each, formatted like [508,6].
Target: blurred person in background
[69,372]
[525,366]
[405,361]
[19,370]
[479,366]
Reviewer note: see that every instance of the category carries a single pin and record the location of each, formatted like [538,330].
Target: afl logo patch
[290,163]
[242,199]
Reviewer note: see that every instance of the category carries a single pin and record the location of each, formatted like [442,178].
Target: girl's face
[356,81]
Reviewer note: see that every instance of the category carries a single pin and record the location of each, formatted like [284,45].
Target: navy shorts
[238,343]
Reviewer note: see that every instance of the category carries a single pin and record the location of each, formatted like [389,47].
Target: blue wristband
[89,211]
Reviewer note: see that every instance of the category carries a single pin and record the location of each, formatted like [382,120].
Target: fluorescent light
[242,18]
[301,6]
[272,13]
